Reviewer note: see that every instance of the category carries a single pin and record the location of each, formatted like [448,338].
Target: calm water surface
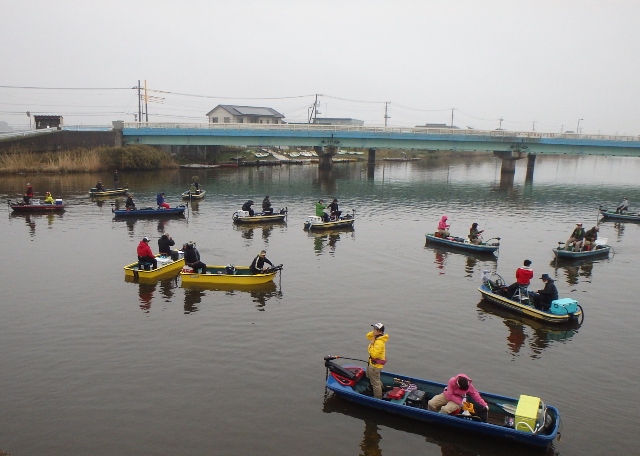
[96,365]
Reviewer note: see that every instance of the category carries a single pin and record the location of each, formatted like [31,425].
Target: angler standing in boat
[524,274]
[145,254]
[28,194]
[377,357]
[474,234]
[116,179]
[577,236]
[129,204]
[450,400]
[443,227]
[624,206]
[320,207]
[257,265]
[333,207]
[542,299]
[164,244]
[247,207]
[266,206]
[192,257]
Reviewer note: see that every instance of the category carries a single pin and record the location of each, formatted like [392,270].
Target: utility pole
[146,99]
[139,102]
[313,114]
[386,111]
[452,109]
[534,126]
[561,128]
[500,127]
[578,129]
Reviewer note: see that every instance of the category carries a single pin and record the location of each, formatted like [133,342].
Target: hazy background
[548,62]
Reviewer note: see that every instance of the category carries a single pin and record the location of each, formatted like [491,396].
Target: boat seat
[144,265]
[521,295]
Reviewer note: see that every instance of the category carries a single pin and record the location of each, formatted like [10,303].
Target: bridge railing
[377,129]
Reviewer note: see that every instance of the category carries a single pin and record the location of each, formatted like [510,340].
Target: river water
[93,364]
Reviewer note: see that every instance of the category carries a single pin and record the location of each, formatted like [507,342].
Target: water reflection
[147,289]
[450,442]
[266,229]
[260,294]
[573,270]
[522,329]
[145,292]
[192,298]
[473,261]
[30,220]
[330,238]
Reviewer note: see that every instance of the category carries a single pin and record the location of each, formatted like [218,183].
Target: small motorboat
[244,217]
[627,216]
[198,195]
[94,192]
[526,420]
[488,246]
[601,249]
[149,211]
[314,222]
[562,311]
[229,275]
[36,206]
[167,265]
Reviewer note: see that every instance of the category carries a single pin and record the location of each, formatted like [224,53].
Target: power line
[65,88]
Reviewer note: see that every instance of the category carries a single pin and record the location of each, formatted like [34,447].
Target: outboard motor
[230,269]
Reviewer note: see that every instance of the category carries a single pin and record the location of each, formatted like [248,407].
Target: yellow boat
[166,267]
[231,275]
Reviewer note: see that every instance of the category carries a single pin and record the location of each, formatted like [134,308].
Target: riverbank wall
[60,140]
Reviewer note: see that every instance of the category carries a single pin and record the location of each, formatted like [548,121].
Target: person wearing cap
[247,207]
[116,179]
[524,274]
[48,198]
[145,254]
[624,206]
[161,202]
[377,357]
[100,187]
[129,204]
[320,207]
[28,194]
[335,210]
[192,258]
[590,237]
[542,299]
[164,244]
[257,265]
[443,227]
[456,391]
[576,239]
[474,234]
[266,206]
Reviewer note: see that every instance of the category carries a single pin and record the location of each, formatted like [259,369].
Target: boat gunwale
[481,248]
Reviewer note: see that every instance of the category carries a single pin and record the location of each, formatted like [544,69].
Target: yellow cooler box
[527,413]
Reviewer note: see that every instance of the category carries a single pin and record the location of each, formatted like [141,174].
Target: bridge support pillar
[371,158]
[531,161]
[508,169]
[325,155]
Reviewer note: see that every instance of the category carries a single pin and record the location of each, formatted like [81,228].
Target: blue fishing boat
[526,420]
[488,246]
[562,311]
[150,211]
[627,216]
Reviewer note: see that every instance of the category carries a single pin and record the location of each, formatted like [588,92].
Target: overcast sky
[551,62]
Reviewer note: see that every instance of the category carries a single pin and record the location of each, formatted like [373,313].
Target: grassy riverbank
[86,160]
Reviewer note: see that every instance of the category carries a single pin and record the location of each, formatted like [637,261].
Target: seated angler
[623,207]
[100,187]
[474,234]
[335,212]
[542,299]
[590,238]
[161,202]
[192,258]
[258,263]
[454,394]
[129,204]
[164,244]
[145,254]
[524,274]
[443,227]
[49,199]
[575,241]
[247,207]
[266,206]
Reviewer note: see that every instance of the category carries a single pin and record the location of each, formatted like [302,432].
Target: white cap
[378,326]
[146,239]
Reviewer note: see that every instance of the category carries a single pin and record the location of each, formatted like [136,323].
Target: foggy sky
[548,62]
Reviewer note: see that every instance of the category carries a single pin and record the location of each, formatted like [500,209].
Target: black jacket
[258,263]
[549,292]
[164,244]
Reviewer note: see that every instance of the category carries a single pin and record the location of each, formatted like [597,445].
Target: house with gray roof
[244,114]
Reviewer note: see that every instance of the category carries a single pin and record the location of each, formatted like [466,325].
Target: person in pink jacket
[443,227]
[453,395]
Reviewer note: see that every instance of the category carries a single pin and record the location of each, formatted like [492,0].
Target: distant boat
[150,212]
[199,166]
[401,159]
[94,192]
[628,216]
[198,195]
[37,206]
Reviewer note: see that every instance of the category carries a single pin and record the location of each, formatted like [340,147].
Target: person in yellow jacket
[377,357]
[49,199]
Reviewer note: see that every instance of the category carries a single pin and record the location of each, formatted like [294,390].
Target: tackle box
[416,398]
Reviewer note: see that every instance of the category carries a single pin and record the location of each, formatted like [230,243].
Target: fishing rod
[332,357]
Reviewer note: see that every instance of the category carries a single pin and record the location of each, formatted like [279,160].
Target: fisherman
[455,393]
[320,207]
[443,227]
[377,357]
[164,244]
[192,257]
[129,204]
[590,238]
[335,212]
[48,198]
[577,236]
[624,206]
[474,234]
[28,194]
[257,265]
[247,207]
[542,299]
[145,254]
[524,274]
[100,187]
[266,206]
[161,202]
[116,179]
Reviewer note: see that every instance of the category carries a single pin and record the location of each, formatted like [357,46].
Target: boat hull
[178,210]
[259,218]
[194,196]
[494,427]
[629,216]
[461,245]
[528,310]
[601,251]
[342,223]
[114,192]
[35,208]
[217,275]
[166,267]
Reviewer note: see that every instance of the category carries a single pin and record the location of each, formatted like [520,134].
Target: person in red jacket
[524,274]
[145,255]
